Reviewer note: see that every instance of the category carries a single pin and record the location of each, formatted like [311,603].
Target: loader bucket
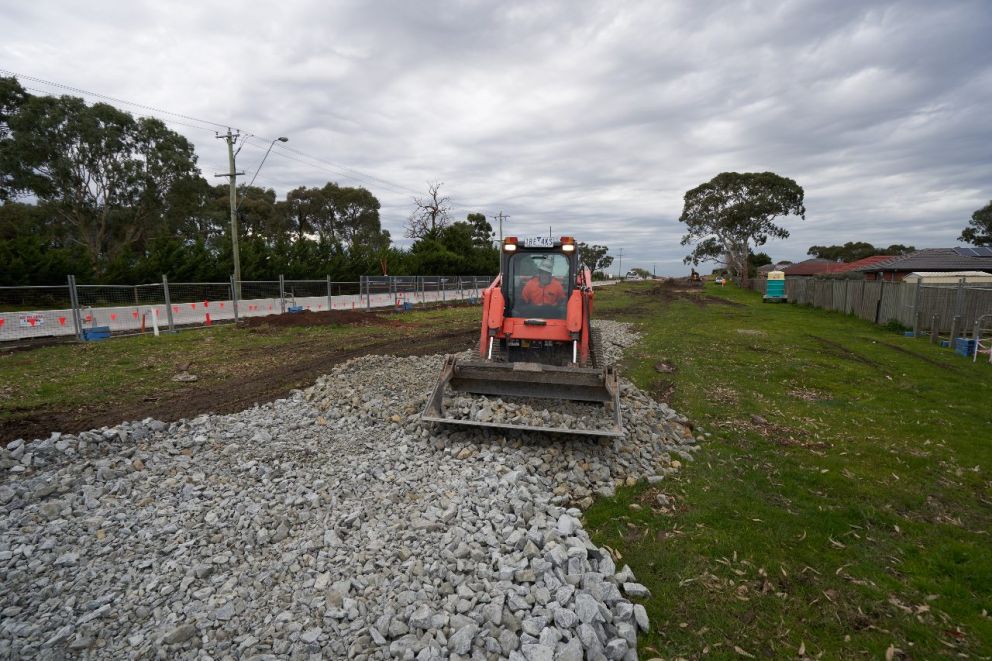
[527,380]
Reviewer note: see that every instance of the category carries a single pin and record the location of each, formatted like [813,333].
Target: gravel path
[330,523]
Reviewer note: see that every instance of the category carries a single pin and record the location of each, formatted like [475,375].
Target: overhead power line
[111,98]
[356,176]
[357,172]
[313,161]
[319,166]
[167,121]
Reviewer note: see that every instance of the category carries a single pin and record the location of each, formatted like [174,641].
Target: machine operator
[543,289]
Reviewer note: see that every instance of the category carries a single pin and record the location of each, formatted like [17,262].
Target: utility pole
[233,174]
[620,264]
[500,218]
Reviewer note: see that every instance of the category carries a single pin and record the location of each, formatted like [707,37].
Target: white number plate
[539,242]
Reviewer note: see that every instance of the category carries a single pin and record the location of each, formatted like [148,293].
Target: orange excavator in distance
[536,340]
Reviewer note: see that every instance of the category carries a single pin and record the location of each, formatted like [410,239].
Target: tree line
[93,191]
[852,251]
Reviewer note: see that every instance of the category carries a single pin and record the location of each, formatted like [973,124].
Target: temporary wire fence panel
[936,304]
[197,304]
[394,290]
[977,302]
[48,311]
[259,298]
[27,312]
[310,295]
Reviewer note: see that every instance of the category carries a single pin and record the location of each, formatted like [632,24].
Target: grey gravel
[180,634]
[641,617]
[331,524]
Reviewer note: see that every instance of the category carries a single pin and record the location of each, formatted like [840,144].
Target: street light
[235,206]
[271,144]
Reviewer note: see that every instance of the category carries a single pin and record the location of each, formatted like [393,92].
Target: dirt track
[325,318]
[290,367]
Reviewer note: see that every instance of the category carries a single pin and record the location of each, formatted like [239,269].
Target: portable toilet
[775,290]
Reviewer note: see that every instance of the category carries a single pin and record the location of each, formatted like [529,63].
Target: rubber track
[596,348]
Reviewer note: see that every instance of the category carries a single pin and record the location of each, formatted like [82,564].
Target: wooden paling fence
[932,308]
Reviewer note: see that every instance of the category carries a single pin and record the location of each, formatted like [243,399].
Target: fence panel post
[916,304]
[330,297]
[235,298]
[958,301]
[77,319]
[460,293]
[368,293]
[168,303]
[878,305]
[282,295]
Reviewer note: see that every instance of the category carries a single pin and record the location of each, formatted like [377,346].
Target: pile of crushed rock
[329,523]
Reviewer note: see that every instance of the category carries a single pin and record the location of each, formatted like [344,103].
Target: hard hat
[544,265]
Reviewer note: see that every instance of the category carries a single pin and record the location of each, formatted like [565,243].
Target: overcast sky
[591,117]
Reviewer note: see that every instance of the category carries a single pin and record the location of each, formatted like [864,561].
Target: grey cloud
[591,117]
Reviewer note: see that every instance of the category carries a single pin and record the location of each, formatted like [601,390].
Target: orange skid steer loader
[536,340]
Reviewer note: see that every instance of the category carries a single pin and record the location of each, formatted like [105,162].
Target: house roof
[844,267]
[949,276]
[931,259]
[809,267]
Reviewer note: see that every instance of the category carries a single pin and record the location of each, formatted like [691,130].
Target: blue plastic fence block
[96,333]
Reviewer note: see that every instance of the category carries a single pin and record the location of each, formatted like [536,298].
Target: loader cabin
[539,275]
[541,307]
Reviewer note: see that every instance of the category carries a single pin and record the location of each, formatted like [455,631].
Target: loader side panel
[575,316]
[497,305]
[484,329]
[585,338]
[492,303]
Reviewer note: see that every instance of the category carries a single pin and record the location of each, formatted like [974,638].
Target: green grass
[126,370]
[852,515]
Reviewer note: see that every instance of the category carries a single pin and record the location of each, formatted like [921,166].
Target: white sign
[539,242]
[31,320]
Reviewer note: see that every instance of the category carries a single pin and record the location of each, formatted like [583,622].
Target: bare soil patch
[663,390]
[674,290]
[324,318]
[261,375]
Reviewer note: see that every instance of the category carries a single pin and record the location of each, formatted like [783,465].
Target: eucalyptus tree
[733,212]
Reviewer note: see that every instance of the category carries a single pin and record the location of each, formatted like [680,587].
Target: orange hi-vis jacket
[535,294]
